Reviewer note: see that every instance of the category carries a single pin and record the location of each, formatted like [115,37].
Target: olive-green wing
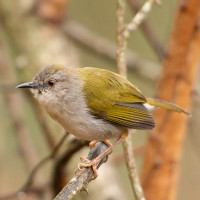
[134,116]
[111,97]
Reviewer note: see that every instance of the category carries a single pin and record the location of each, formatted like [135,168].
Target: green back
[113,98]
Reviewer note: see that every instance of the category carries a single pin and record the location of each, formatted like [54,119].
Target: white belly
[84,125]
[89,128]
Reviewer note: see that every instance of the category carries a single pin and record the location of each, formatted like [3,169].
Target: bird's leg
[94,163]
[109,144]
[93,143]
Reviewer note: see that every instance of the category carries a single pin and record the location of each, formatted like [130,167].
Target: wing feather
[113,98]
[135,118]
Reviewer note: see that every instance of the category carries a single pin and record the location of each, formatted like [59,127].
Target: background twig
[148,32]
[26,186]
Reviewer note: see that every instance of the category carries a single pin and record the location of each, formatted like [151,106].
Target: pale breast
[83,125]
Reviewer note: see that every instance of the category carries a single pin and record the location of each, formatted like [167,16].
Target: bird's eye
[51,83]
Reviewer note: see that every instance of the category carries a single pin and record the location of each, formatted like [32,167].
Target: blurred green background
[29,43]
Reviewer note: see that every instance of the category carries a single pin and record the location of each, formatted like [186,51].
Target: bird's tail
[164,104]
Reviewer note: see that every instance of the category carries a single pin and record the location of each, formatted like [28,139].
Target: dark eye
[51,83]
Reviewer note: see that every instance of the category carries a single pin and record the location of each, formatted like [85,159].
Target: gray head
[50,83]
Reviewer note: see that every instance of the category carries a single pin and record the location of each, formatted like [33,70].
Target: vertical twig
[123,33]
[121,64]
[133,174]
[121,42]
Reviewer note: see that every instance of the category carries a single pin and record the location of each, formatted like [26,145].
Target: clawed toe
[88,163]
[84,160]
[94,163]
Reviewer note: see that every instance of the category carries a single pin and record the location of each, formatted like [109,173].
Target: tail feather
[167,105]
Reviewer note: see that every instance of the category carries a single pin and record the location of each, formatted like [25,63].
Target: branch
[83,176]
[163,149]
[131,165]
[121,41]
[59,175]
[139,17]
[148,32]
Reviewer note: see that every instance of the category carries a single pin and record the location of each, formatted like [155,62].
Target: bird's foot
[95,162]
[89,163]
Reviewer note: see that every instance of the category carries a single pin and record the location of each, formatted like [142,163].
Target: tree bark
[161,163]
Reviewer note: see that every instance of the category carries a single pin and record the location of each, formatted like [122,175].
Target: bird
[94,104]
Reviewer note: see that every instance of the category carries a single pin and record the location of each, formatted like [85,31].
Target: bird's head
[49,84]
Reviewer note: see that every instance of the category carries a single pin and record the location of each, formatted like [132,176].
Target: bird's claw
[84,160]
[88,163]
[92,163]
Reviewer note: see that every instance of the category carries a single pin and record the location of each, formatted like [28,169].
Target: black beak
[27,85]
